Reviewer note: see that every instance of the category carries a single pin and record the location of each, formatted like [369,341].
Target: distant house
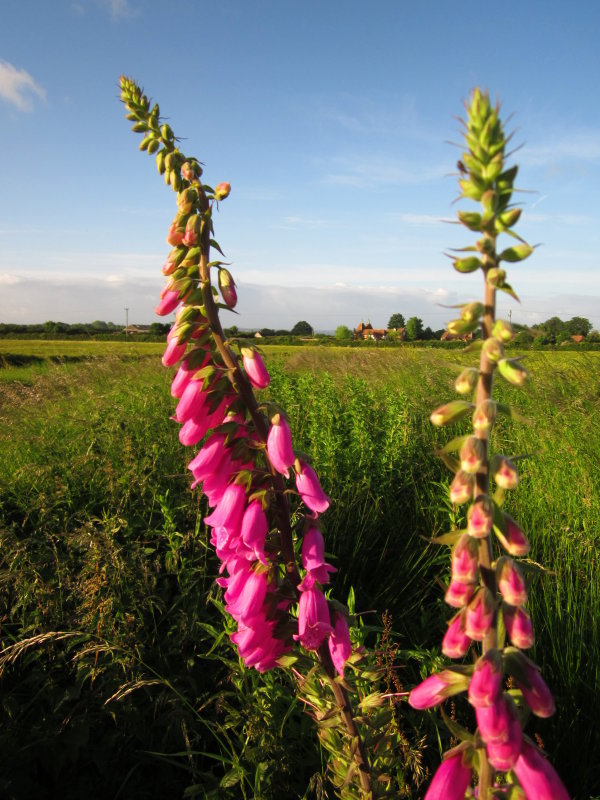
[457,337]
[367,331]
[578,338]
[132,329]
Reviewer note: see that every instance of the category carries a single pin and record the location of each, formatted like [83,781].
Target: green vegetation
[115,669]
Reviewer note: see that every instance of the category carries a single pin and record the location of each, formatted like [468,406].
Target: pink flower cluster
[497,715]
[239,489]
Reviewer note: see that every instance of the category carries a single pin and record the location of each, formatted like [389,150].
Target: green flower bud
[493,349]
[503,331]
[472,455]
[467,380]
[513,371]
[496,277]
[466,264]
[484,415]
[472,311]
[504,472]
[457,327]
[451,412]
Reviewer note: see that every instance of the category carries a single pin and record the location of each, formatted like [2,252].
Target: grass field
[102,537]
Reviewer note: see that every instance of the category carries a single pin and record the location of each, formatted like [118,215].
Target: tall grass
[102,538]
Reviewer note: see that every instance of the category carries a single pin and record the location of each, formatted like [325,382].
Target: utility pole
[126,321]
[510,316]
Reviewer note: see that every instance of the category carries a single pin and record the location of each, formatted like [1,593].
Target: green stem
[488,578]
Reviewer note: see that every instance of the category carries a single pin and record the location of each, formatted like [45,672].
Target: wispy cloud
[9,280]
[17,87]
[361,172]
[420,220]
[121,9]
[581,145]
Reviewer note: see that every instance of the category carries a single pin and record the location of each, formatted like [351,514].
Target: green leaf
[454,444]
[232,777]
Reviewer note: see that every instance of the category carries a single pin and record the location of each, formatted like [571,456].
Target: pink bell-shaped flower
[313,619]
[486,681]
[309,488]
[255,368]
[456,642]
[450,781]
[340,647]
[537,776]
[279,445]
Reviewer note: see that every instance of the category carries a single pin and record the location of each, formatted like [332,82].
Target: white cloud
[17,86]
[121,9]
[581,145]
[9,280]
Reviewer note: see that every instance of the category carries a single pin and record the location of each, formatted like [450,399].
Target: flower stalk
[498,753]
[244,463]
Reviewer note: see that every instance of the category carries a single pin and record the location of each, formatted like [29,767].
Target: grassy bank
[102,537]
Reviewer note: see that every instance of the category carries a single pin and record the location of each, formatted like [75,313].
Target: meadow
[116,671]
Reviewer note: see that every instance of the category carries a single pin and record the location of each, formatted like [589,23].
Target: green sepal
[454,444]
[450,538]
[509,290]
[450,461]
[457,731]
[216,246]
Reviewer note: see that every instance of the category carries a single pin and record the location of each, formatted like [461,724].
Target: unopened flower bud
[493,349]
[480,614]
[511,583]
[227,287]
[484,415]
[518,626]
[456,642]
[504,472]
[193,228]
[467,380]
[436,688]
[503,331]
[536,693]
[222,191]
[175,235]
[486,682]
[255,368]
[186,200]
[472,311]
[458,594]
[451,412]
[480,517]
[512,538]
[462,487]
[472,454]
[496,277]
[465,559]
[513,371]
[458,327]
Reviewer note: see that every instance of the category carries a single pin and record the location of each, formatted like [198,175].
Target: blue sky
[330,119]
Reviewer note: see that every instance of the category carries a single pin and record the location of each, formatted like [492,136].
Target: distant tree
[302,328]
[578,326]
[282,332]
[552,327]
[159,328]
[343,332]
[267,332]
[396,321]
[523,337]
[99,325]
[593,336]
[427,333]
[414,329]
